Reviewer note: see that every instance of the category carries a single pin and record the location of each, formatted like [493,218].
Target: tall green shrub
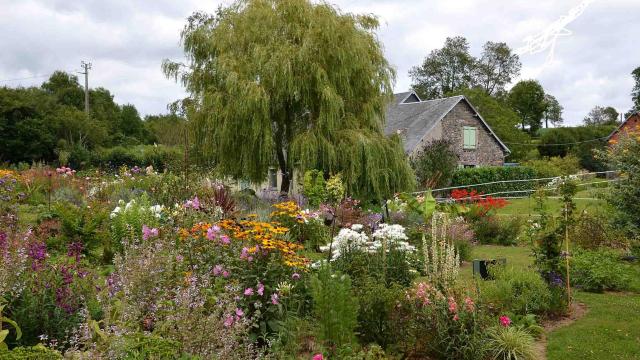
[480,175]
[334,307]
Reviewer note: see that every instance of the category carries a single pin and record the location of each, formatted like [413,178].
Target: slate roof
[414,119]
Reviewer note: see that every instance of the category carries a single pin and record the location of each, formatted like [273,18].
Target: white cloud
[127,40]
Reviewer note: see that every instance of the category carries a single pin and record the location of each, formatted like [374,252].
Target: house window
[273,178]
[469,137]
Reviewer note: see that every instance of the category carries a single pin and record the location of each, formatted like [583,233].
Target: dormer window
[412,98]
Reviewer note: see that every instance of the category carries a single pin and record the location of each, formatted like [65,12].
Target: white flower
[357,227]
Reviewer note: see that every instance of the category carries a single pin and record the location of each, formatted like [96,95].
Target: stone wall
[488,151]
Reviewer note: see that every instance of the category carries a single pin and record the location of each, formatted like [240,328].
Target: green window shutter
[469,137]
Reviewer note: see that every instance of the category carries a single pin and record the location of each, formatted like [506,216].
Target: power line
[25,78]
[560,144]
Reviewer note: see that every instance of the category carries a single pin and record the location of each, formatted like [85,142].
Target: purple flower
[295,276]
[248,291]
[212,233]
[239,312]
[37,251]
[274,299]
[260,289]
[74,250]
[244,255]
[193,203]
[225,274]
[217,270]
[148,232]
[224,239]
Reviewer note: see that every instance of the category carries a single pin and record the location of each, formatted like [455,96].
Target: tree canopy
[601,115]
[635,93]
[453,68]
[528,101]
[553,111]
[292,83]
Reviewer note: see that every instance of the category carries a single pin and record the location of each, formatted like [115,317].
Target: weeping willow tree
[294,84]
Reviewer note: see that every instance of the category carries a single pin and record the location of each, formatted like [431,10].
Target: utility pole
[86,66]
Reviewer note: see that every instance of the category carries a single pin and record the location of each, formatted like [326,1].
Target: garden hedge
[160,157]
[480,175]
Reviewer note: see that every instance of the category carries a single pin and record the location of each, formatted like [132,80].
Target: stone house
[631,125]
[453,118]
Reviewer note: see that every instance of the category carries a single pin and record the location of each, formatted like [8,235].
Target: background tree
[600,115]
[635,93]
[527,100]
[496,67]
[444,70]
[553,111]
[502,119]
[435,163]
[294,83]
[166,129]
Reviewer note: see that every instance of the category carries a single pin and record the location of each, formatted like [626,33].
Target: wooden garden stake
[566,244]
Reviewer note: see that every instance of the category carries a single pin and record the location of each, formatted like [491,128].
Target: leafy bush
[435,164]
[160,157]
[555,166]
[499,231]
[37,352]
[480,175]
[594,230]
[510,343]
[314,187]
[518,291]
[377,303]
[599,270]
[334,308]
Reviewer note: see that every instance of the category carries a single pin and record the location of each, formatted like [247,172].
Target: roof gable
[414,119]
[624,123]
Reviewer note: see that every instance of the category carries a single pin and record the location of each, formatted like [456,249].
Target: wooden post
[566,244]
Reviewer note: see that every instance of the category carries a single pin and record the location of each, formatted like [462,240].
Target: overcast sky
[126,40]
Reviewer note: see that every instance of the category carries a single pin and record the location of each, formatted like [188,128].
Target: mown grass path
[609,330]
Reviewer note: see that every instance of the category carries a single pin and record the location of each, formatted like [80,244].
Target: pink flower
[228,321]
[196,203]
[456,317]
[260,289]
[217,270]
[295,276]
[225,274]
[248,291]
[318,357]
[148,233]
[245,255]
[468,303]
[274,299]
[224,239]
[505,321]
[453,307]
[239,312]
[211,233]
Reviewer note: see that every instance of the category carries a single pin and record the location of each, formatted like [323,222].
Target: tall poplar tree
[293,83]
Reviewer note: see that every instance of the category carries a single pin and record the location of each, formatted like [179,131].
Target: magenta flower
[148,232]
[318,357]
[260,289]
[225,274]
[239,312]
[211,233]
[224,239]
[274,299]
[248,291]
[505,321]
[228,321]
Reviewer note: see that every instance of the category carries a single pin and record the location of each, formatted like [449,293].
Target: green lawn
[526,206]
[609,330]
[517,256]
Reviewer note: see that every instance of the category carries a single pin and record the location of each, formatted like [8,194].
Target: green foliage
[39,123]
[313,81]
[160,157]
[584,135]
[335,188]
[37,352]
[555,166]
[480,175]
[314,187]
[376,308]
[527,100]
[139,346]
[553,112]
[334,307]
[166,129]
[79,224]
[519,291]
[601,115]
[502,119]
[510,343]
[599,270]
[5,332]
[635,93]
[497,230]
[625,194]
[435,163]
